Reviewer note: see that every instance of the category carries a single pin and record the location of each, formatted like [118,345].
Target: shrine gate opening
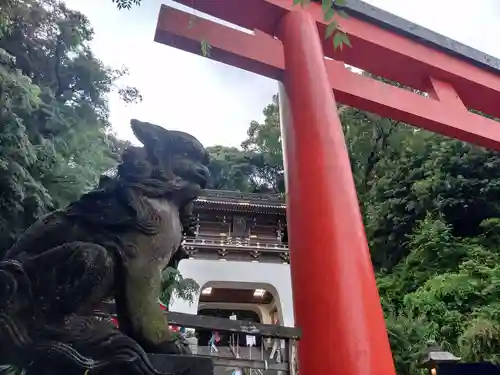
[334,289]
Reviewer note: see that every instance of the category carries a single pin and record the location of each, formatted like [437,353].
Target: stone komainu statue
[112,243]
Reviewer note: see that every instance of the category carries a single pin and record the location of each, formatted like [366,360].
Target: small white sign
[250,340]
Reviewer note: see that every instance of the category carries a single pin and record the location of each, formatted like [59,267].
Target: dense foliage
[55,137]
[430,204]
[54,130]
[175,285]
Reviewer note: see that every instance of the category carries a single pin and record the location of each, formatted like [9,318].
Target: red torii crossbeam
[336,301]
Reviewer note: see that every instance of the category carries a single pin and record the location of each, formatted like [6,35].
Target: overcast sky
[216,102]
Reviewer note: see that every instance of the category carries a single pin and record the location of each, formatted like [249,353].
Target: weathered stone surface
[111,243]
[182,364]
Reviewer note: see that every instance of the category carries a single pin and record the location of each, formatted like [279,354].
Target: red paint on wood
[445,93]
[334,289]
[257,54]
[374,49]
[263,54]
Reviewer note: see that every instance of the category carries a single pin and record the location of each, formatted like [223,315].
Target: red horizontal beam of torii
[336,303]
[452,83]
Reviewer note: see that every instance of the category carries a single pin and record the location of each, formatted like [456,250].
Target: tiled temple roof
[226,200]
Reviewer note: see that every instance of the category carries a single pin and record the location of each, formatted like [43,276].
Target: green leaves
[330,29]
[126,4]
[258,165]
[340,38]
[302,3]
[329,14]
[205,48]
[326,5]
[54,136]
[173,284]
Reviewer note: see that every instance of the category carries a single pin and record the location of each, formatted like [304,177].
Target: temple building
[239,257]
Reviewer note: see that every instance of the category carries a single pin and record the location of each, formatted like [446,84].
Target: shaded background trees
[430,205]
[55,138]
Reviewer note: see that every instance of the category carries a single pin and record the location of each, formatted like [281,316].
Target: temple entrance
[249,305]
[204,336]
[252,308]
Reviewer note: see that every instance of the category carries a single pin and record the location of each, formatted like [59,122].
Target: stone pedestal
[182,364]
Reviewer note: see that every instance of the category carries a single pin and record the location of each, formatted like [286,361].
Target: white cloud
[216,102]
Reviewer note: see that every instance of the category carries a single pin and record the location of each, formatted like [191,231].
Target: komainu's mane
[120,200]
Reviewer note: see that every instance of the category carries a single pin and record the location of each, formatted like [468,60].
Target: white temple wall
[273,277]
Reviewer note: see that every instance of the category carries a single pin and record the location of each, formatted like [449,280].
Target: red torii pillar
[335,296]
[336,301]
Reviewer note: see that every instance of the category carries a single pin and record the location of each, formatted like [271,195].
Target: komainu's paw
[177,346]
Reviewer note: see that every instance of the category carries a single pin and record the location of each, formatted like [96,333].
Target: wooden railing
[264,245]
[286,335]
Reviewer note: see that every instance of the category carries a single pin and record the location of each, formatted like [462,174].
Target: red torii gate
[336,301]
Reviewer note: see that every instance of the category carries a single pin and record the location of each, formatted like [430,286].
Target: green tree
[173,284]
[126,4]
[54,129]
[230,168]
[23,198]
[264,141]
